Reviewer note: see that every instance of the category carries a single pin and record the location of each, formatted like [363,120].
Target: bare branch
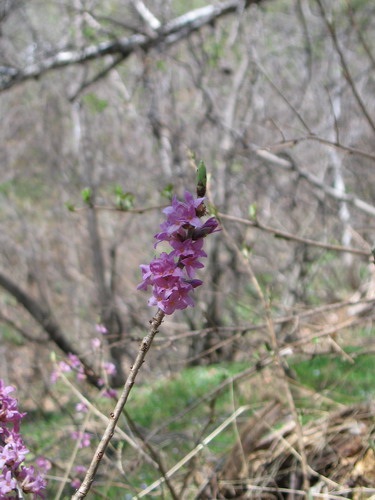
[332,144]
[347,73]
[44,316]
[170,33]
[291,237]
[147,16]
[312,179]
[40,313]
[20,330]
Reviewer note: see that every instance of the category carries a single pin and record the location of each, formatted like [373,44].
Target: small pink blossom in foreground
[43,463]
[14,475]
[171,276]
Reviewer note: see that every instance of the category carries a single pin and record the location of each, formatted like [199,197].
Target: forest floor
[228,433]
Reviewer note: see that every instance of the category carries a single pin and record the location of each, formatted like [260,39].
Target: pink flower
[80,469]
[43,463]
[54,376]
[170,275]
[101,329]
[31,482]
[81,407]
[109,368]
[13,451]
[64,367]
[76,483]
[74,361]
[83,437]
[109,393]
[7,483]
[81,375]
[96,343]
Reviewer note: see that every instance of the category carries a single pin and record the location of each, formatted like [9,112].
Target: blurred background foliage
[277,97]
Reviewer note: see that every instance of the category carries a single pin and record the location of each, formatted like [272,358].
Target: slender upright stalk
[278,360]
[115,415]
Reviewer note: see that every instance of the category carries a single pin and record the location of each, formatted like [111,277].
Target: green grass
[153,403]
[337,378]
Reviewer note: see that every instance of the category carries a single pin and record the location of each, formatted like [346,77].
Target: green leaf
[268,347]
[86,194]
[125,201]
[89,32]
[118,190]
[160,64]
[201,179]
[253,211]
[70,206]
[94,103]
[167,192]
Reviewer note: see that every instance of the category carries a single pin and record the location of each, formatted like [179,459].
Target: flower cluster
[171,275]
[74,364]
[14,476]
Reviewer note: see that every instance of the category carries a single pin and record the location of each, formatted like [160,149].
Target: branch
[291,237]
[277,357]
[44,316]
[345,66]
[40,313]
[20,330]
[193,452]
[315,181]
[173,31]
[332,144]
[145,14]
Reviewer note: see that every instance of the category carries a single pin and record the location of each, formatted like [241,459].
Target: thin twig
[194,452]
[65,478]
[332,144]
[154,454]
[134,444]
[243,329]
[115,415]
[277,359]
[291,237]
[358,30]
[347,73]
[117,209]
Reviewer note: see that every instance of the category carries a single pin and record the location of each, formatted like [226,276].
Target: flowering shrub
[74,365]
[171,275]
[14,476]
